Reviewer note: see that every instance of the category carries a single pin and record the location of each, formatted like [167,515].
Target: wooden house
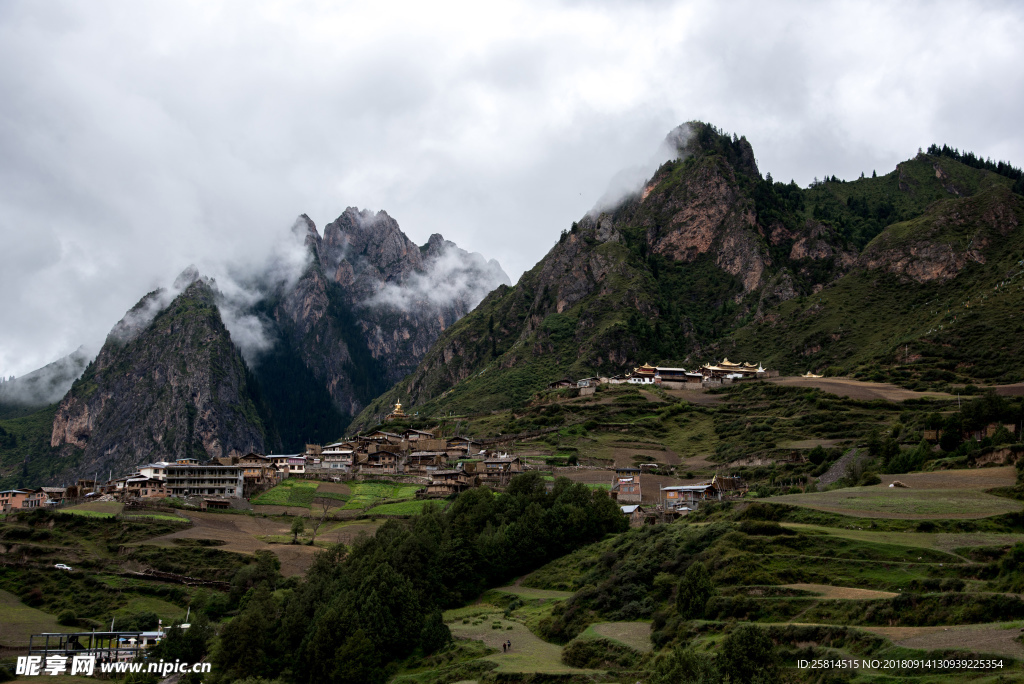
[500,469]
[638,515]
[423,461]
[460,447]
[444,483]
[678,497]
[380,462]
[416,435]
[380,436]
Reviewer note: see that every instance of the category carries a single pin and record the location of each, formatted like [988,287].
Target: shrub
[67,618]
[598,654]
[748,655]
[765,528]
[868,479]
[694,591]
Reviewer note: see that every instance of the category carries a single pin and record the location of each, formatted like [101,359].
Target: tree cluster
[361,609]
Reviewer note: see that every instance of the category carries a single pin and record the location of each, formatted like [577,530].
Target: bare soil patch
[240,532]
[1014,390]
[831,592]
[857,389]
[334,488]
[696,397]
[624,456]
[975,478]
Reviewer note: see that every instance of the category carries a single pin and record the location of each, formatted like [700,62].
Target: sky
[137,138]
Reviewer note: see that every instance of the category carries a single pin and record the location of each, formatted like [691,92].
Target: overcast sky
[139,137]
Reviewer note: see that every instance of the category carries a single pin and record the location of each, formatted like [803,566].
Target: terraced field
[881,501]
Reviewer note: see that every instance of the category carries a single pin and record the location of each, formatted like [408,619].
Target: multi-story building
[205,480]
[21,499]
[154,471]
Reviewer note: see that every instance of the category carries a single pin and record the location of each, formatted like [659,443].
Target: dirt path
[838,469]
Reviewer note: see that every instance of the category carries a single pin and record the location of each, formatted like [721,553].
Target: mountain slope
[709,247]
[937,299]
[160,389]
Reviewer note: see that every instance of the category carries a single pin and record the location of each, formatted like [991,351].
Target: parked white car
[61,566]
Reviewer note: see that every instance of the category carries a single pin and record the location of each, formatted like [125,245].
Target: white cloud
[136,138]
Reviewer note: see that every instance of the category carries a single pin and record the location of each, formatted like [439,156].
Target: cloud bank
[137,138]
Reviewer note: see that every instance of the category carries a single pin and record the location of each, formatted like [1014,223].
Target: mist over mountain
[22,394]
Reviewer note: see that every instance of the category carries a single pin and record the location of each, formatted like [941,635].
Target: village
[440,467]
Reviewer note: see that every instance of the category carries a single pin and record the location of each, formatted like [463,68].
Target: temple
[397,413]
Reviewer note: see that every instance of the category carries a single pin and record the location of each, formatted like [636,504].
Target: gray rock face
[175,386]
[371,289]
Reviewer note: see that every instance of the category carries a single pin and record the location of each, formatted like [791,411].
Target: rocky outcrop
[373,302]
[706,213]
[949,237]
[170,387]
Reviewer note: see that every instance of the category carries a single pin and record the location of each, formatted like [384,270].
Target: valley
[495,486]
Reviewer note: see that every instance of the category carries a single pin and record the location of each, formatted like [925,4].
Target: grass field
[636,635]
[368,494]
[18,621]
[528,654]
[940,541]
[96,509]
[885,502]
[291,492]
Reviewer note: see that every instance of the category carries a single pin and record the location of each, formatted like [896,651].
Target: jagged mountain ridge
[708,247]
[365,307]
[170,387]
[365,311]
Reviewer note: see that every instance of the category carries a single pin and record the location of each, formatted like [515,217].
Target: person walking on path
[504,646]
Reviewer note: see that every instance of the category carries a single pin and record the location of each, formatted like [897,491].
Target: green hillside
[908,276]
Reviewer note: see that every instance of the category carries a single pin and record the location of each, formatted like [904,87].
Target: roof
[428,453]
[687,488]
[630,508]
[418,432]
[674,370]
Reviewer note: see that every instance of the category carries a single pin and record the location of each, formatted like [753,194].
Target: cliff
[168,383]
[365,311]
